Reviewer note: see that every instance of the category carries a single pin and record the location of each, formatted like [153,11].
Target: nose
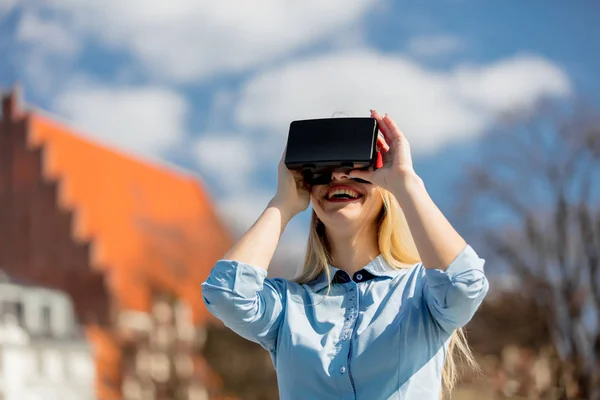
[340,175]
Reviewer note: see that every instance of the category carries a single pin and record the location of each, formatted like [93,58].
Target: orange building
[122,236]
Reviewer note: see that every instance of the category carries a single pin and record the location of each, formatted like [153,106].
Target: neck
[352,250]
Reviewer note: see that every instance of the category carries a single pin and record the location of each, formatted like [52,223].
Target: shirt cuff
[240,278]
[463,273]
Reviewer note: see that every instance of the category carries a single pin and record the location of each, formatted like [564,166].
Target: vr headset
[319,147]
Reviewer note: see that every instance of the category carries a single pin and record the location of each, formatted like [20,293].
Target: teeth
[348,192]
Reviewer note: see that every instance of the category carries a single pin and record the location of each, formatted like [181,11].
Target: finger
[382,144]
[395,132]
[383,128]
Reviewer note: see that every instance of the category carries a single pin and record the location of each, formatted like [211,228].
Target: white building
[43,354]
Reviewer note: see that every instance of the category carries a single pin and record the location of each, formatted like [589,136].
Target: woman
[367,318]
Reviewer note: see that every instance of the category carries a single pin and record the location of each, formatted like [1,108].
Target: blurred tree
[244,366]
[539,174]
[164,344]
[511,340]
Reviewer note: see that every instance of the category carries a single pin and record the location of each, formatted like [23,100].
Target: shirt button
[342,369]
[359,277]
[352,298]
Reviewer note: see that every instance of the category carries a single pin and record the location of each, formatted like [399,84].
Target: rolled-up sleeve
[246,301]
[454,295]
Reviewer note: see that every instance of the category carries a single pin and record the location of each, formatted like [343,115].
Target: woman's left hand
[397,160]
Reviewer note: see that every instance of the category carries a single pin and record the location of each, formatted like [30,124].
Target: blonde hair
[397,247]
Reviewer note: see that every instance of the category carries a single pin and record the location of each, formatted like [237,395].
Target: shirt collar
[378,267]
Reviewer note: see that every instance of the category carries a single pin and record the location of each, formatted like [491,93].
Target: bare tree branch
[543,168]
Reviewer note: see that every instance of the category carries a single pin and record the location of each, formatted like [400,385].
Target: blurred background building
[128,241]
[43,351]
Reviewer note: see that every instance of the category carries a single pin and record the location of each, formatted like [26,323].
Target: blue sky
[212,86]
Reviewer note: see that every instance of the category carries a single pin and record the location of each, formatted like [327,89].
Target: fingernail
[385,115]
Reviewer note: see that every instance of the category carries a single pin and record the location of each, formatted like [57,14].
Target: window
[13,309]
[46,319]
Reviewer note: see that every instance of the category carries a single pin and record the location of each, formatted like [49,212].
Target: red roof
[148,225]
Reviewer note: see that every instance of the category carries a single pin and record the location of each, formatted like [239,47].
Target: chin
[346,216]
[340,215]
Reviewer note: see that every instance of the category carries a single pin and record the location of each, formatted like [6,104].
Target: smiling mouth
[342,195]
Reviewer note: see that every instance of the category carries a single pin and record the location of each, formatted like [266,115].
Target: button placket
[345,344]
[350,317]
[353,300]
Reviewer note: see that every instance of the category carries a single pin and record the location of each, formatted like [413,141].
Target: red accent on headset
[379,162]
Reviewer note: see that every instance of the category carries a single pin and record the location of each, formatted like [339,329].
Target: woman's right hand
[292,195]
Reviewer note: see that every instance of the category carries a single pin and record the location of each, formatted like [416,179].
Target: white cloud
[228,158]
[143,120]
[435,45]
[187,40]
[46,35]
[40,75]
[6,7]
[47,49]
[511,83]
[433,108]
[241,208]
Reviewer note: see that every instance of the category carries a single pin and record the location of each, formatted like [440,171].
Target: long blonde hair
[397,247]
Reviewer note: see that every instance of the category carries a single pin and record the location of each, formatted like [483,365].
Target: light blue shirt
[381,334]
